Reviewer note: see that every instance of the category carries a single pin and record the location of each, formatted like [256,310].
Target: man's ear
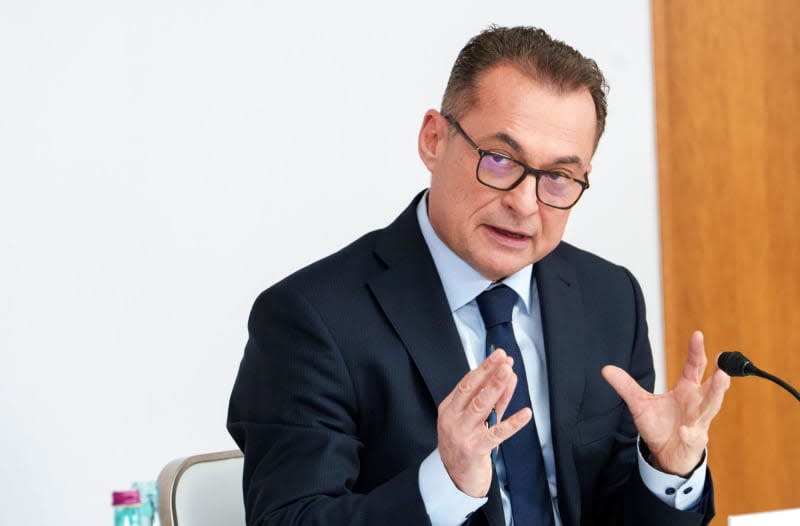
[432,137]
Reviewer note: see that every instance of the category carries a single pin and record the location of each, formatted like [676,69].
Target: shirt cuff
[674,491]
[445,504]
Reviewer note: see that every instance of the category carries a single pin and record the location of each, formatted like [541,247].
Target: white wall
[163,162]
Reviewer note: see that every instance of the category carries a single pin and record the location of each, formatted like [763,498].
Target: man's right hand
[465,441]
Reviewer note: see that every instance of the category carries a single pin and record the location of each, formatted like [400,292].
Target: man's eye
[556,177]
[499,161]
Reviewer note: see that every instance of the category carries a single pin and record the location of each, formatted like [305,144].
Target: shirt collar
[461,282]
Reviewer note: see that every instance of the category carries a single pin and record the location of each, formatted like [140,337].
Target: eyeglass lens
[502,173]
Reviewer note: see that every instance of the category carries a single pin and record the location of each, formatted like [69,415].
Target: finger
[712,402]
[488,397]
[502,431]
[505,397]
[626,387]
[696,361]
[474,381]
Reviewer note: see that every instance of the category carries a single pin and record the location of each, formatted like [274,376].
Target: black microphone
[734,363]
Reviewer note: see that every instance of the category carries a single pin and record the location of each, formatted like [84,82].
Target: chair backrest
[768,518]
[202,490]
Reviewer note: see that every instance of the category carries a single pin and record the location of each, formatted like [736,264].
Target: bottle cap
[127,497]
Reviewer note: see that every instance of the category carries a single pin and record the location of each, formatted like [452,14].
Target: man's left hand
[674,425]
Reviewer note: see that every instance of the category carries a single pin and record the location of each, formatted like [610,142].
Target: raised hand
[465,441]
[674,425]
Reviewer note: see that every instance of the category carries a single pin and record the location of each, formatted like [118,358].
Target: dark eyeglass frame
[526,170]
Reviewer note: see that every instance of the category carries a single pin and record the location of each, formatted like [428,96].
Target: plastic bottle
[127,508]
[148,491]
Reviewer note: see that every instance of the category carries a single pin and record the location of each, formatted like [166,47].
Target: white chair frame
[169,481]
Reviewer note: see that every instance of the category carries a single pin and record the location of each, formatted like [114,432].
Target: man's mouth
[509,233]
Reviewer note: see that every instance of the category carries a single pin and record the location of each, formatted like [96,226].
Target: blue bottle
[148,492]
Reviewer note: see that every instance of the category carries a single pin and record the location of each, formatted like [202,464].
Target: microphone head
[734,363]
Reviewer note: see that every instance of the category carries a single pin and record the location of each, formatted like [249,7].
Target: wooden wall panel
[728,112]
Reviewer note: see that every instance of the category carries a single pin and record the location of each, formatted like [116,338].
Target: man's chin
[498,270]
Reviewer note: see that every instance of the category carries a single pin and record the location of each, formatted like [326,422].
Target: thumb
[625,386]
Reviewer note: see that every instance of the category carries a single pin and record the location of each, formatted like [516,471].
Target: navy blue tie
[522,453]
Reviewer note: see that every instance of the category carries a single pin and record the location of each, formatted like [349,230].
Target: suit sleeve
[623,498]
[294,412]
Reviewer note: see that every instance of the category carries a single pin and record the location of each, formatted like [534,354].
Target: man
[456,366]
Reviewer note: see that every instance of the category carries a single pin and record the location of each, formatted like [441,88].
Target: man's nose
[522,199]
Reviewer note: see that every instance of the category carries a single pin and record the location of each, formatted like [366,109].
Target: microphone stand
[774,379]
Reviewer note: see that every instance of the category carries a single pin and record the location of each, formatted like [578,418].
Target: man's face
[496,232]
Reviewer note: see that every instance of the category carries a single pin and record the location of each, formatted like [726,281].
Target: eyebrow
[569,159]
[509,140]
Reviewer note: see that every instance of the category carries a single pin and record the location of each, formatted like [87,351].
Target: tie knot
[496,305]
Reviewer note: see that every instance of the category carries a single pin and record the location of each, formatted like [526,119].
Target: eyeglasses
[501,172]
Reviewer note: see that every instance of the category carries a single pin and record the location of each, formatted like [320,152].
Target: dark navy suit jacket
[347,360]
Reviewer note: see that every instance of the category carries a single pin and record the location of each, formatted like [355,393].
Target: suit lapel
[411,296]
[565,348]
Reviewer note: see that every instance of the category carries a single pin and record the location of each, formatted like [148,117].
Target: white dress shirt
[445,504]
